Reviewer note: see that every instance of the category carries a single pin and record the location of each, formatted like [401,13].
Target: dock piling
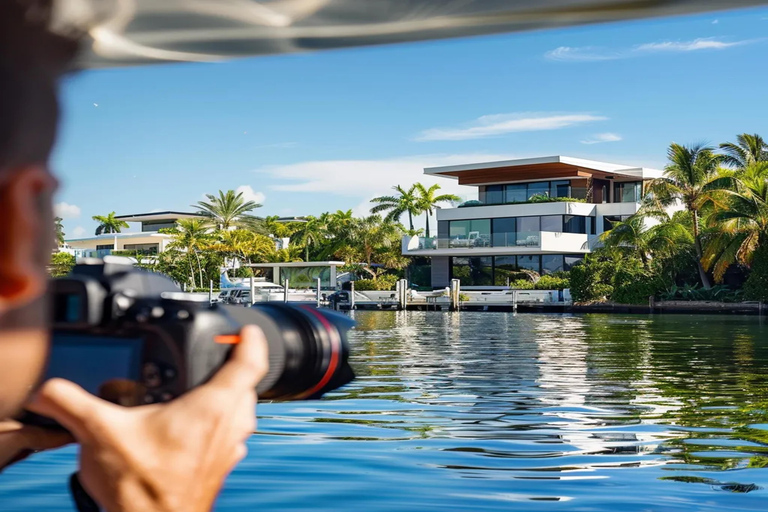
[319,289]
[253,290]
[352,295]
[455,293]
[285,295]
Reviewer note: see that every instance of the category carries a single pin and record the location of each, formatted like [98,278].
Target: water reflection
[488,411]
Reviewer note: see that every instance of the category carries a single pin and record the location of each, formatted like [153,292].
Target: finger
[248,363]
[70,405]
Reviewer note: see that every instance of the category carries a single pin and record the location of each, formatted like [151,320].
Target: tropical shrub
[633,284]
[61,264]
[381,283]
[522,284]
[717,293]
[592,279]
[556,281]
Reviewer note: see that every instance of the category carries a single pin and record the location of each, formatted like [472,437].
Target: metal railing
[520,239]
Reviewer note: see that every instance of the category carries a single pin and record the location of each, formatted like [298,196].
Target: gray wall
[440,272]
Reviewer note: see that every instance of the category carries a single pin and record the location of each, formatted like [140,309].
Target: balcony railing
[520,239]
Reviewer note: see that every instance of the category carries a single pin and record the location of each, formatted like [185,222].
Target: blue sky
[315,132]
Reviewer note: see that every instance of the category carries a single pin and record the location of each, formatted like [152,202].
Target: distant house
[538,214]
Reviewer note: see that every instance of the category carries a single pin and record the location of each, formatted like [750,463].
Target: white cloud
[603,137]
[594,54]
[499,124]
[365,179]
[78,231]
[250,195]
[66,210]
[715,22]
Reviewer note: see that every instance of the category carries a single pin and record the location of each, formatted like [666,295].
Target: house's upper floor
[554,178]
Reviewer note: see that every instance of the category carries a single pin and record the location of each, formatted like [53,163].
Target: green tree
[405,202]
[747,150]
[190,236]
[428,201]
[229,210]
[374,240]
[739,218]
[59,231]
[61,264]
[109,224]
[311,234]
[639,237]
[690,170]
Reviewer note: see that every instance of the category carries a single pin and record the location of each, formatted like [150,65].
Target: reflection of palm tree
[690,169]
[740,217]
[109,224]
[405,202]
[428,201]
[747,150]
[229,210]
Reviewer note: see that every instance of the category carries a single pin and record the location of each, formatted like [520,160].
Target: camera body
[133,338]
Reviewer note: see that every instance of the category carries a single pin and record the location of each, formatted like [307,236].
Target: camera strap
[83,500]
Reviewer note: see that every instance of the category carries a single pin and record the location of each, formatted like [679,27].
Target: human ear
[26,238]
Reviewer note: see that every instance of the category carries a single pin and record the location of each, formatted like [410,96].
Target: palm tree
[690,170]
[740,218]
[59,227]
[405,202]
[190,236]
[312,232]
[428,201]
[109,224]
[244,245]
[229,210]
[747,150]
[369,239]
[637,236]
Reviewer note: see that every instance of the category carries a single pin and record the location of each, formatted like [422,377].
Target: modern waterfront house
[541,214]
[147,240]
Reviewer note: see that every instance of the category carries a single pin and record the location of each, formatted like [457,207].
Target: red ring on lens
[335,352]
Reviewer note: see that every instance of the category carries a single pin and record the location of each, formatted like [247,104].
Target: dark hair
[32,60]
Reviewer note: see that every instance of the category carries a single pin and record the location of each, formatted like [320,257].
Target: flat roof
[526,169]
[159,216]
[111,236]
[297,264]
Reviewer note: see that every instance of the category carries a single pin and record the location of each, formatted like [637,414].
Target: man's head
[32,60]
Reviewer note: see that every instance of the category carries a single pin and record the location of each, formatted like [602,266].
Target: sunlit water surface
[495,411]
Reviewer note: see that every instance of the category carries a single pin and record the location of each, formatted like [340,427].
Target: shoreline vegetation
[700,237]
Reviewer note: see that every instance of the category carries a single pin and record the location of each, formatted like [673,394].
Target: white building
[481,242]
[147,240]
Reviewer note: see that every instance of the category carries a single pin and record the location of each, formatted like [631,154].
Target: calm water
[487,411]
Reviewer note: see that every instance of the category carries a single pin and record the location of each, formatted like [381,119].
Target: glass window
[494,194]
[579,189]
[569,260]
[504,268]
[609,221]
[516,193]
[575,224]
[443,229]
[627,192]
[146,248]
[528,231]
[551,263]
[104,247]
[529,262]
[560,189]
[538,189]
[590,225]
[553,223]
[157,225]
[470,233]
[473,271]
[504,230]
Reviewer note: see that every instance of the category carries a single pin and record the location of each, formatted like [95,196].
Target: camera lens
[308,349]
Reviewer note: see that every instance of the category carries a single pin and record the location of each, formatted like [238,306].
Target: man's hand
[18,441]
[168,457]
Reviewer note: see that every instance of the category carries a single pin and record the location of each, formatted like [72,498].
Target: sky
[307,133]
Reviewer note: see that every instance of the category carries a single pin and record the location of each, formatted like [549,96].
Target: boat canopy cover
[127,32]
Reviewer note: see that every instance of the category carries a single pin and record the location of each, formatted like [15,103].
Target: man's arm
[170,457]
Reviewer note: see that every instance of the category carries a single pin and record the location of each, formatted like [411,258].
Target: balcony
[499,243]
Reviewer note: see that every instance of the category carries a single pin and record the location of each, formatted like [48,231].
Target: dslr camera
[133,337]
